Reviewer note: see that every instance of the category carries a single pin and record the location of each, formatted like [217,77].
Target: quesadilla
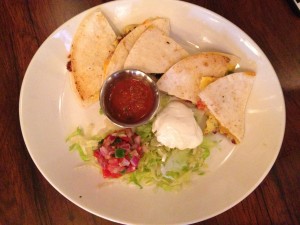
[117,59]
[92,44]
[183,79]
[154,52]
[226,100]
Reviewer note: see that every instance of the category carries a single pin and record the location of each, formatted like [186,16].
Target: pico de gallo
[119,153]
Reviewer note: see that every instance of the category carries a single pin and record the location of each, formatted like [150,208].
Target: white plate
[49,111]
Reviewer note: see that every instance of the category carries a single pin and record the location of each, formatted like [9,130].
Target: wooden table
[25,195]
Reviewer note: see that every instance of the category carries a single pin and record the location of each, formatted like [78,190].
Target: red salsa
[130,99]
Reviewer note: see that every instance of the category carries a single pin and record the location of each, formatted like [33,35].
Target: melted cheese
[214,126]
[205,81]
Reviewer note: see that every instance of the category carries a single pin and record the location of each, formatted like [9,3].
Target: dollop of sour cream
[176,127]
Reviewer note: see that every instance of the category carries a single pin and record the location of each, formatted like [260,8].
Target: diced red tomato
[201,105]
[119,153]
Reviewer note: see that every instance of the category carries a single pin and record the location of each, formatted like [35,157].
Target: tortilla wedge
[117,59]
[92,44]
[183,79]
[154,52]
[226,100]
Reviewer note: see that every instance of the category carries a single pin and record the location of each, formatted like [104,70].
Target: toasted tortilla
[117,59]
[92,44]
[226,99]
[154,52]
[183,80]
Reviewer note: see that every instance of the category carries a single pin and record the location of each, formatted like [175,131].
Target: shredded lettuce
[83,154]
[85,142]
[145,131]
[200,117]
[164,100]
[77,132]
[160,166]
[167,168]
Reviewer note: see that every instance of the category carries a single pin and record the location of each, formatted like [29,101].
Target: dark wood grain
[25,195]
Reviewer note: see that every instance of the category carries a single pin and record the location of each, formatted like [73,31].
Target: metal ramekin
[117,75]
